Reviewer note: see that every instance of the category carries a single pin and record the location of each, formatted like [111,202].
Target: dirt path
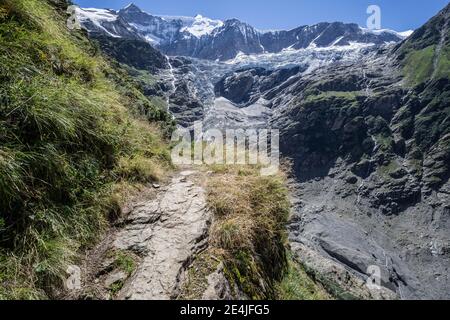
[163,234]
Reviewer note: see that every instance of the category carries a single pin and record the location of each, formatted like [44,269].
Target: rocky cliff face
[224,43]
[369,140]
[133,52]
[370,145]
[205,38]
[366,186]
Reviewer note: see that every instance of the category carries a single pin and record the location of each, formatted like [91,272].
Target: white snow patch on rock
[201,26]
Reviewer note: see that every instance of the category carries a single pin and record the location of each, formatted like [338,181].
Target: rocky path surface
[164,234]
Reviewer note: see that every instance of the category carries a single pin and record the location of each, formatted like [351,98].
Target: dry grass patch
[251,213]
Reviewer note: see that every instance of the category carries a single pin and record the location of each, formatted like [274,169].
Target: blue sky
[399,15]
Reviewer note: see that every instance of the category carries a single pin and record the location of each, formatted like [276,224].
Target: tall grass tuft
[73,132]
[251,213]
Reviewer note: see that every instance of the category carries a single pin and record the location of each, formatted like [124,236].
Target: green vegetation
[75,134]
[334,289]
[143,76]
[387,169]
[385,141]
[419,65]
[125,262]
[425,55]
[196,283]
[298,285]
[443,65]
[132,52]
[147,81]
[251,213]
[315,95]
[248,238]
[115,288]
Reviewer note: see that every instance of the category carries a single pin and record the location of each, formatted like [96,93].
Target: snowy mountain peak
[402,35]
[406,33]
[97,15]
[206,38]
[98,20]
[201,26]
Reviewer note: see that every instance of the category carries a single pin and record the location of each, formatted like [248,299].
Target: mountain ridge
[205,38]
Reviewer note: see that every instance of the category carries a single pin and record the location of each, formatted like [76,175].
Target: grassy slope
[74,138]
[419,65]
[419,52]
[297,284]
[425,58]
